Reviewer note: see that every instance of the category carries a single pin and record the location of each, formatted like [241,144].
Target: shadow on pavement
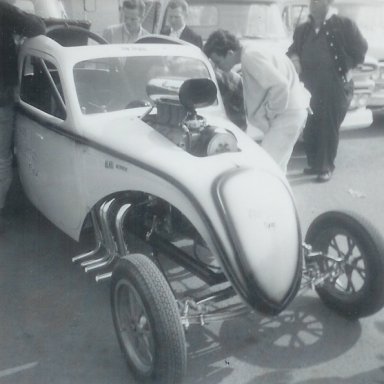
[305,334]
[62,318]
[286,377]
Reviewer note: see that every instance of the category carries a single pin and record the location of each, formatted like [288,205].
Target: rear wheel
[355,286]
[147,321]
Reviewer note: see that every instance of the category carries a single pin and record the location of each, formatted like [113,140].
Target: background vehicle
[261,23]
[369,16]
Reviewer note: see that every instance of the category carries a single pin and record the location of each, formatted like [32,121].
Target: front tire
[147,321]
[356,288]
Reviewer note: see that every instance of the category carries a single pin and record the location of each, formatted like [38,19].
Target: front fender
[260,217]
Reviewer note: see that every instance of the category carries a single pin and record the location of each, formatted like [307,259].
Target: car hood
[114,132]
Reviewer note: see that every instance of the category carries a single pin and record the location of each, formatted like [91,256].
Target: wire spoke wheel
[349,274]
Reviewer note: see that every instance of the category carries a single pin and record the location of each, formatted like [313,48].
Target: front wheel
[353,261]
[147,321]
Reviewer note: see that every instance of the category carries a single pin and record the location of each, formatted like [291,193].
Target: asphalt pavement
[56,326]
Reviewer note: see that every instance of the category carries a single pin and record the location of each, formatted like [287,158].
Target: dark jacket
[187,35]
[346,43]
[13,21]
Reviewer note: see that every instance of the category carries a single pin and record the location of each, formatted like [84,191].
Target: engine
[176,117]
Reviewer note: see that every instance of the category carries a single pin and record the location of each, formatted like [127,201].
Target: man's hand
[296,62]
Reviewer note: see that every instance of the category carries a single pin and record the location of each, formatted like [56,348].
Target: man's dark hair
[220,42]
[173,4]
[135,4]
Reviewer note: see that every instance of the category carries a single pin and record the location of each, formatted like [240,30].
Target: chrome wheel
[147,321]
[345,264]
[134,326]
[352,263]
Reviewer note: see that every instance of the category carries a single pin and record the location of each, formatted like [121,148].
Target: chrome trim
[230,312]
[105,238]
[119,221]
[109,242]
[98,237]
[103,276]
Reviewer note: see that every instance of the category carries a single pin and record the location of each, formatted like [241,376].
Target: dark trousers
[321,132]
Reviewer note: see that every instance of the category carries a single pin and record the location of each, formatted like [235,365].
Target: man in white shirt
[276,101]
[130,30]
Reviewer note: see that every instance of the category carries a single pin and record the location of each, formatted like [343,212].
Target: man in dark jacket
[177,12]
[324,50]
[12,22]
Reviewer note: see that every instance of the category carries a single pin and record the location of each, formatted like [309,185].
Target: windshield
[369,17]
[245,20]
[113,84]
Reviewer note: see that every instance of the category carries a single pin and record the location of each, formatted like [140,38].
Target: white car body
[132,141]
[68,165]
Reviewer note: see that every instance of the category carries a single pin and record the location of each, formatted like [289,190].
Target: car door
[46,150]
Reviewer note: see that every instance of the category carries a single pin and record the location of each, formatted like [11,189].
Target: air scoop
[197,93]
[191,93]
[176,101]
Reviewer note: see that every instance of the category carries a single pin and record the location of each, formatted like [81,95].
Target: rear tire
[147,321]
[358,290]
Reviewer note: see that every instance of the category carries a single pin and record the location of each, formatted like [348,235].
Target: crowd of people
[308,89]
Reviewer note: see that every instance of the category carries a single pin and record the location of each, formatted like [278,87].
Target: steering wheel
[71,35]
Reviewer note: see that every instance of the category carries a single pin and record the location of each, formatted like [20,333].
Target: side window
[41,86]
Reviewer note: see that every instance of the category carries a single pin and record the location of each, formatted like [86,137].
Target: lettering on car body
[109,164]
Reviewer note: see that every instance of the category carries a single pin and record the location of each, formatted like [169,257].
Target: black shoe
[310,171]
[324,176]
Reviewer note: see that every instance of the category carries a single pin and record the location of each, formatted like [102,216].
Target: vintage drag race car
[132,142]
